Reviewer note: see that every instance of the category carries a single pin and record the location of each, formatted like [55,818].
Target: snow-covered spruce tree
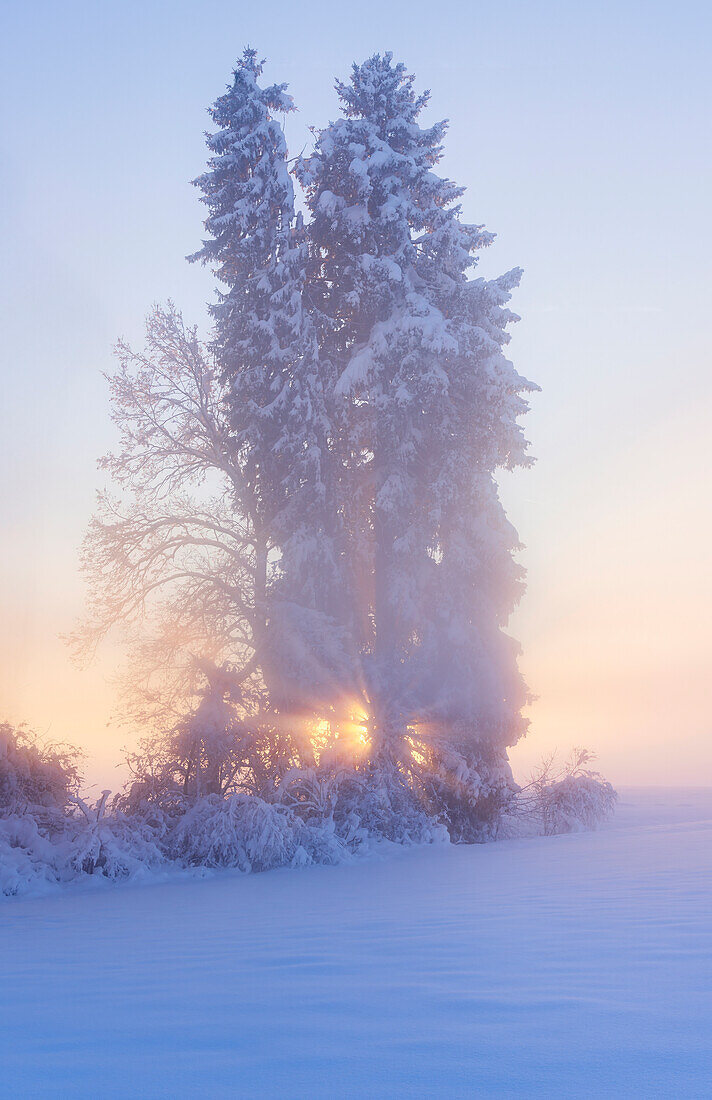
[426,411]
[265,343]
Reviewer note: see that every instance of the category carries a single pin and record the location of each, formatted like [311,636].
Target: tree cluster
[305,542]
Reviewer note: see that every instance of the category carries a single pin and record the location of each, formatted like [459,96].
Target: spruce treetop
[247,188]
[381,91]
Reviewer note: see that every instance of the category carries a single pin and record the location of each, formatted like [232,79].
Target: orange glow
[347,731]
[353,729]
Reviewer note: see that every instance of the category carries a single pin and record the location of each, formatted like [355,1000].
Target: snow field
[573,966]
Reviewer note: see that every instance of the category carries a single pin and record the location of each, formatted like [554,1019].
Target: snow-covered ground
[561,967]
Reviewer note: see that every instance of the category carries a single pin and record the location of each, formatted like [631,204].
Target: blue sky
[582,134]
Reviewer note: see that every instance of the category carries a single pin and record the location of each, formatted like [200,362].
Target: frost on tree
[308,538]
[425,409]
[266,346]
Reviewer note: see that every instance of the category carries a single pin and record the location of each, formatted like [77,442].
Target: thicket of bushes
[170,816]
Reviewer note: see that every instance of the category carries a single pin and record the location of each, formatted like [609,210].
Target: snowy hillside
[576,965]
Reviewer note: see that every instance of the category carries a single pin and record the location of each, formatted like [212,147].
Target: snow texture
[576,966]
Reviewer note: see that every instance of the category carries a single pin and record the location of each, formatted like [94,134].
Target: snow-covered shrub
[200,755]
[38,783]
[379,801]
[245,832]
[312,792]
[216,750]
[568,800]
[48,833]
[29,861]
[365,800]
[466,789]
[576,802]
[113,844]
[33,776]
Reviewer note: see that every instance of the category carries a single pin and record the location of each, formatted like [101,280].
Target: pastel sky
[582,133]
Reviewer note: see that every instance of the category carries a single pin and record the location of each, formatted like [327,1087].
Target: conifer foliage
[267,352]
[307,543]
[426,406]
